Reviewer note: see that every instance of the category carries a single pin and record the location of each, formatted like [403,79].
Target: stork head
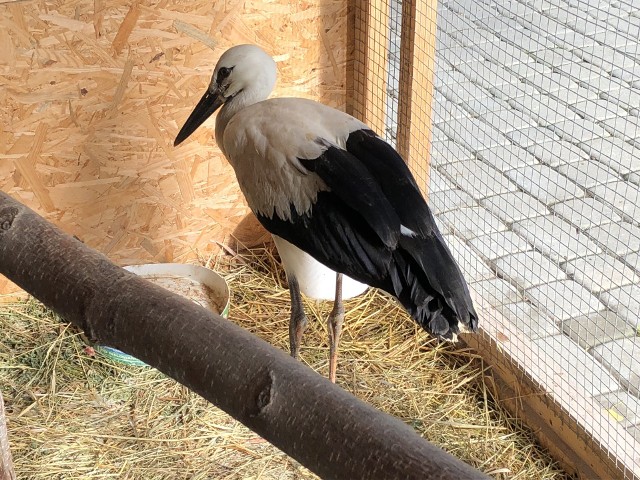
[243,71]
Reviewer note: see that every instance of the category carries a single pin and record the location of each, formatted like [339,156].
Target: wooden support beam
[417,71]
[370,62]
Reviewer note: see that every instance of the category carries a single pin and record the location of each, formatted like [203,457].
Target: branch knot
[7,216]
[264,394]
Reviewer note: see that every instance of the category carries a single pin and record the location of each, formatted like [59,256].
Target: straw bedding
[74,414]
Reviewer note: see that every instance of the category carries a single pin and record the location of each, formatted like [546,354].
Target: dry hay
[73,415]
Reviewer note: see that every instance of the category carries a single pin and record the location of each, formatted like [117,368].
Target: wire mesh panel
[537,128]
[393,75]
[534,178]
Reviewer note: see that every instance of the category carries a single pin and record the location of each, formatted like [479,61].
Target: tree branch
[322,426]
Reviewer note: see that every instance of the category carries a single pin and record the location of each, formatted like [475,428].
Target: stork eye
[223,73]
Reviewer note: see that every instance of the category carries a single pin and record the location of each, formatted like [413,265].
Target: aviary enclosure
[519,118]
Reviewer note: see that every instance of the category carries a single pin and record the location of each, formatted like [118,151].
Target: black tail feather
[429,284]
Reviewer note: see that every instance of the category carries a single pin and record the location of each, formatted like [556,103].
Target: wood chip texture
[92,94]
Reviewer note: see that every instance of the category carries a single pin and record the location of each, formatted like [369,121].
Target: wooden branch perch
[319,424]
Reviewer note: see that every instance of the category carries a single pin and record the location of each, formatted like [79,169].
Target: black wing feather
[355,228]
[396,180]
[354,184]
[337,236]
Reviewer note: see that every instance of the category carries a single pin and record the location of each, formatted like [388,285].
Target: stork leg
[335,321]
[298,321]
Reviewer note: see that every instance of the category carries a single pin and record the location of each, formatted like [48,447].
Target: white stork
[328,188]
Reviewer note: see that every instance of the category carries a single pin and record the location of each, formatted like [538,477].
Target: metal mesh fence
[535,179]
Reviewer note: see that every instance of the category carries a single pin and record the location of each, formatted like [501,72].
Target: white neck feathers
[253,92]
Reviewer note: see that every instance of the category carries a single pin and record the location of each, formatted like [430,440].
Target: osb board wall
[92,94]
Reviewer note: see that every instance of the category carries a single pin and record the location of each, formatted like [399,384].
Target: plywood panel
[92,94]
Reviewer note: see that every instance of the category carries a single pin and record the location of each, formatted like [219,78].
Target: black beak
[208,104]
